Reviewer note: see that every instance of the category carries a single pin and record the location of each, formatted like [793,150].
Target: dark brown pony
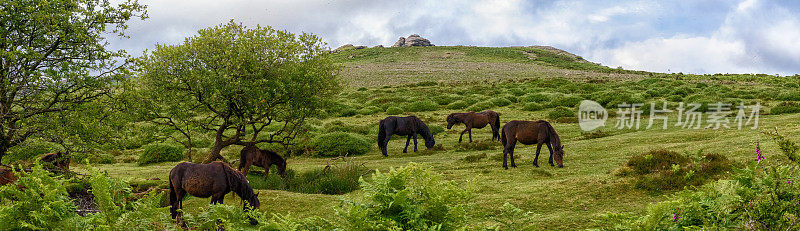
[56,161]
[475,120]
[208,180]
[252,155]
[531,132]
[405,126]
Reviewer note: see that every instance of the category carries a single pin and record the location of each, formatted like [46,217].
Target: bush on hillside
[560,112]
[667,170]
[369,110]
[394,111]
[340,144]
[534,98]
[408,198]
[159,152]
[566,101]
[31,150]
[458,104]
[420,106]
[500,101]
[785,108]
[480,106]
[532,107]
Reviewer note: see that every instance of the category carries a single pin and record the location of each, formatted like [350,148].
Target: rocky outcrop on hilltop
[413,40]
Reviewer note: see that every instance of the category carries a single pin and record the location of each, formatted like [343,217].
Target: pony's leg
[470,138]
[536,159]
[407,140]
[509,149]
[513,164]
[386,144]
[551,155]
[266,169]
[462,135]
[415,142]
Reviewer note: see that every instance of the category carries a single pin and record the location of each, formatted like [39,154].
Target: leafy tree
[246,85]
[54,60]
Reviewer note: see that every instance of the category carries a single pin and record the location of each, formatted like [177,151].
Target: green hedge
[157,153]
[340,144]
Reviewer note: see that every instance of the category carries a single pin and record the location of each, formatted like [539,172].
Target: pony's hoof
[551,165]
[514,165]
[561,166]
[506,167]
[404,151]
[535,165]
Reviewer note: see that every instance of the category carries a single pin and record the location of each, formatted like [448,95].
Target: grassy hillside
[522,83]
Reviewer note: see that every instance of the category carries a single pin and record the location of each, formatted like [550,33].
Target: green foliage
[333,180]
[560,112]
[595,134]
[435,129]
[40,204]
[567,101]
[788,147]
[458,104]
[394,111]
[160,152]
[407,198]
[422,105]
[513,218]
[340,144]
[534,98]
[500,102]
[100,158]
[532,107]
[785,108]
[479,145]
[247,77]
[666,170]
[369,110]
[480,106]
[30,150]
[756,198]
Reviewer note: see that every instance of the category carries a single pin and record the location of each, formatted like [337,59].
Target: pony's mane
[423,129]
[237,182]
[556,140]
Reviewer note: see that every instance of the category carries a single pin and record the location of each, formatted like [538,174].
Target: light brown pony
[531,132]
[252,155]
[208,180]
[7,176]
[475,120]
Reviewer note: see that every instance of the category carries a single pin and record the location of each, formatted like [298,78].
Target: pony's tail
[496,126]
[381,135]
[503,136]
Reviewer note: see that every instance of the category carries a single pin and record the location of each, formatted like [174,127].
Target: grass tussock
[480,145]
[474,158]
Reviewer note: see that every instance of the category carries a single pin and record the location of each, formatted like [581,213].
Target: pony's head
[451,120]
[558,155]
[426,134]
[281,167]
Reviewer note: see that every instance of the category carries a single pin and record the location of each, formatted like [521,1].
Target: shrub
[559,112]
[159,152]
[332,180]
[788,147]
[567,101]
[595,134]
[756,198]
[500,102]
[789,96]
[394,111]
[420,106]
[340,144]
[369,110]
[443,99]
[532,106]
[435,129]
[785,108]
[30,150]
[41,203]
[407,198]
[534,98]
[458,104]
[100,158]
[667,170]
[347,112]
[340,126]
[480,106]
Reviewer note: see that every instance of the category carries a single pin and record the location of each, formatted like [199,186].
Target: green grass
[452,79]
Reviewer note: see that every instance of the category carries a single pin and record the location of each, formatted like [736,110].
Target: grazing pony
[531,132]
[410,126]
[56,161]
[475,120]
[208,180]
[252,155]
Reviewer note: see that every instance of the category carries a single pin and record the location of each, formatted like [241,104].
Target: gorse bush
[340,144]
[500,102]
[480,106]
[666,170]
[159,152]
[435,129]
[408,198]
[394,111]
[369,110]
[458,104]
[785,108]
[756,198]
[532,107]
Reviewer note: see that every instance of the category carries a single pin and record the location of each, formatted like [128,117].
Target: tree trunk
[215,153]
[4,145]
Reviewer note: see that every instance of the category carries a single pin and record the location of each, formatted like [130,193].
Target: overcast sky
[711,36]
